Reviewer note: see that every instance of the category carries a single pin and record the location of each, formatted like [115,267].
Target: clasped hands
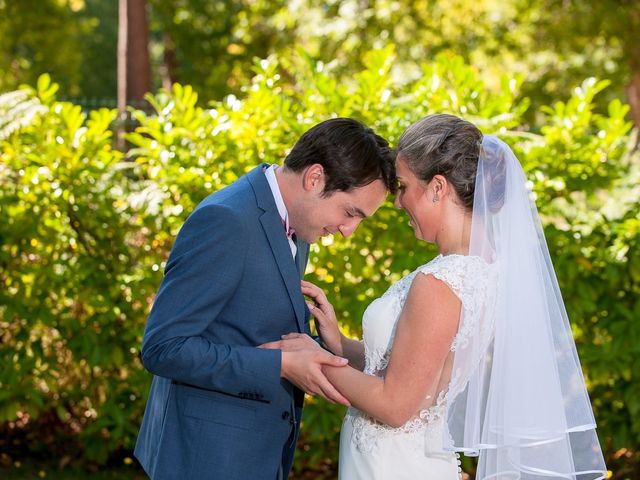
[303,358]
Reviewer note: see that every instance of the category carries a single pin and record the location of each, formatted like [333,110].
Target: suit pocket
[219,409]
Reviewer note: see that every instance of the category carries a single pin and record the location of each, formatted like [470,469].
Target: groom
[220,408]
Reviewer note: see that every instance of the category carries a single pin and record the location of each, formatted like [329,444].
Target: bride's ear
[438,188]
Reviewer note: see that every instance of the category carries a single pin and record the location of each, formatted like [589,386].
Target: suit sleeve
[204,269]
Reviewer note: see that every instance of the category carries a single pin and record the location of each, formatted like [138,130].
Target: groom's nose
[346,230]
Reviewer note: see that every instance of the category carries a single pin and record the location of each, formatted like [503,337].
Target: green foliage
[75,284]
[569,40]
[36,37]
[212,45]
[576,145]
[17,109]
[86,230]
[72,40]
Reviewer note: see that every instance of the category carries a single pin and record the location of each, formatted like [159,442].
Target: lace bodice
[468,277]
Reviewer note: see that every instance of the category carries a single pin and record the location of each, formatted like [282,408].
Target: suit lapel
[302,254]
[272,225]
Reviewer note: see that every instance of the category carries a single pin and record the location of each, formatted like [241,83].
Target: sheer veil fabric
[517,396]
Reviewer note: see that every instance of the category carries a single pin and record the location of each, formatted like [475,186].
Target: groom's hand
[302,361]
[303,368]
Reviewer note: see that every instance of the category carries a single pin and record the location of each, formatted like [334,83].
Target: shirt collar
[270,173]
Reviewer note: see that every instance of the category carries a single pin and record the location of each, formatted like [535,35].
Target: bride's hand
[325,317]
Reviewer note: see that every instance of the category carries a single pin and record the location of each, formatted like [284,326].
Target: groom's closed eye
[355,212]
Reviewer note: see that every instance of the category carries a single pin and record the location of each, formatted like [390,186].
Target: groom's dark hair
[351,154]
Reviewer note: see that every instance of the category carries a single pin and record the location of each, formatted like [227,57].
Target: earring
[435,198]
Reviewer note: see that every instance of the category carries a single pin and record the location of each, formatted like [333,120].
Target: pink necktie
[289,231]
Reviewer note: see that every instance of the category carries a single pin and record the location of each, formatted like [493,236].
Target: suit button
[285,415]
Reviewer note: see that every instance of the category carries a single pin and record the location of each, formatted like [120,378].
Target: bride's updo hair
[444,145]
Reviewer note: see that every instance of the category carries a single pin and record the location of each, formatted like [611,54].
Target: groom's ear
[313,178]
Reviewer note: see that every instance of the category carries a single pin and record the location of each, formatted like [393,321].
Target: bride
[473,351]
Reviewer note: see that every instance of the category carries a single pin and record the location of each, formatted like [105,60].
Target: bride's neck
[455,234]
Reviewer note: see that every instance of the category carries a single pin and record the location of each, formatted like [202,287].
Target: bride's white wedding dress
[370,450]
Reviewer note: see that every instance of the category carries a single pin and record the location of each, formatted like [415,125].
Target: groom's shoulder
[238,195]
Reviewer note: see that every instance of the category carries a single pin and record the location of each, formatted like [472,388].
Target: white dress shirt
[270,173]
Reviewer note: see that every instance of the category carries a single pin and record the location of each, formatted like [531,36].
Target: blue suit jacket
[218,408]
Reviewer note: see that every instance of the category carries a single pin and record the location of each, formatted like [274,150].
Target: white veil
[525,408]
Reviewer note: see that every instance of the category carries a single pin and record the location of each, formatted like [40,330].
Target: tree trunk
[138,63]
[633,95]
[134,66]
[122,73]
[169,64]
[631,47]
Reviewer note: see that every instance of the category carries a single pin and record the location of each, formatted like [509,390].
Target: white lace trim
[367,430]
[376,361]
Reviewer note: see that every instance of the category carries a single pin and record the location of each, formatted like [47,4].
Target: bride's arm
[352,350]
[426,328]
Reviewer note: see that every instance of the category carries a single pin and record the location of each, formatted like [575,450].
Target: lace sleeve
[451,270]
[467,277]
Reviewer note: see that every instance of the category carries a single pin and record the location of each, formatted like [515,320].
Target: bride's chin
[418,233]
[412,224]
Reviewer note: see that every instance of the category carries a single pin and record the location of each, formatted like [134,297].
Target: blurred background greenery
[92,192]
